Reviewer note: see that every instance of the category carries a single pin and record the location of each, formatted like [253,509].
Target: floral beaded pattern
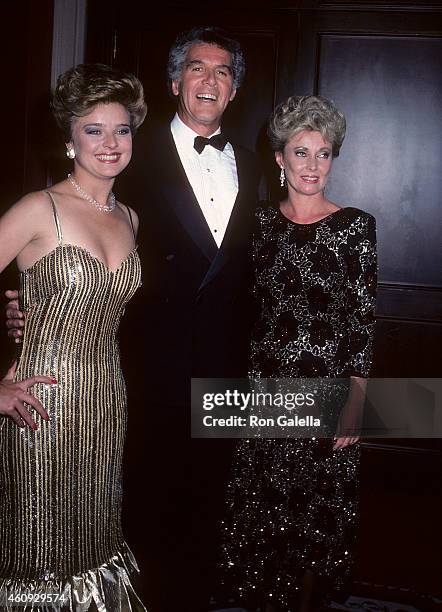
[292,504]
[316,289]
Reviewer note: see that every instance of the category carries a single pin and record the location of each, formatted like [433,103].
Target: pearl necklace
[102,207]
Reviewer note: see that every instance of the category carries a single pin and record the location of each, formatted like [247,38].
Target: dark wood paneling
[390,90]
[408,467]
[357,18]
[409,303]
[25,52]
[407,349]
[382,66]
[380,5]
[26,47]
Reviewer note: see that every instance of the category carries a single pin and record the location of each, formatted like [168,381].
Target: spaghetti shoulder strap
[56,219]
[131,224]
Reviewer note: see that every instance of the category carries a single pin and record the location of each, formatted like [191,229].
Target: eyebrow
[326,148]
[197,61]
[102,124]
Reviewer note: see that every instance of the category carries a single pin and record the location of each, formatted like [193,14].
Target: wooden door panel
[390,90]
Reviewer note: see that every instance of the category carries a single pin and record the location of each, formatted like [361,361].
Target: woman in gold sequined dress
[61,452]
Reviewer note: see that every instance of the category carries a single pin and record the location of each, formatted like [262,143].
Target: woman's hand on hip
[13,396]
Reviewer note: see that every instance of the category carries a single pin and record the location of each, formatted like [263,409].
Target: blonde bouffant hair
[313,113]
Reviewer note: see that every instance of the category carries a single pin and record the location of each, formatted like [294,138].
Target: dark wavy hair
[205,35]
[81,88]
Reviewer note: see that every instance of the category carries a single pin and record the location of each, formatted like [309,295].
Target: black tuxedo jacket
[193,314]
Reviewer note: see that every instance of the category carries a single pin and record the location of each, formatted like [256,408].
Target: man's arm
[14,316]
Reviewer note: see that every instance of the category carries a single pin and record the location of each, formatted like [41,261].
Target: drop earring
[282,177]
[70,152]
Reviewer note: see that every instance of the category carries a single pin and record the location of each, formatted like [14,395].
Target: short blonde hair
[313,113]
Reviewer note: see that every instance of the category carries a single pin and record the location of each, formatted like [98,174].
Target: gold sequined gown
[61,486]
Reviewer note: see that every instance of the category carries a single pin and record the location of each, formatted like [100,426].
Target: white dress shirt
[212,175]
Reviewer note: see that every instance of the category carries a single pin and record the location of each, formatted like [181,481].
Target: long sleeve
[361,296]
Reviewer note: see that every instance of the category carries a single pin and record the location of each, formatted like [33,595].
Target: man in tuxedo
[196,206]
[196,200]
[195,193]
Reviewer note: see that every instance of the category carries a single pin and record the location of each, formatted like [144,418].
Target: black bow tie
[218,141]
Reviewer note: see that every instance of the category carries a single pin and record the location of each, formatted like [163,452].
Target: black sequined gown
[61,486]
[292,504]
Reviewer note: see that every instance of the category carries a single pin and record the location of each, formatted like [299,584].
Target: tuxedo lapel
[181,198]
[237,229]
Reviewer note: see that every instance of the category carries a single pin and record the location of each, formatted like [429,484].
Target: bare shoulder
[34,198]
[33,206]
[25,223]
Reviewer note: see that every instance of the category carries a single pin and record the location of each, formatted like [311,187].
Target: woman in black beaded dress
[292,503]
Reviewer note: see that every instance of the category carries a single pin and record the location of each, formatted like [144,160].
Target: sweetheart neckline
[85,250]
